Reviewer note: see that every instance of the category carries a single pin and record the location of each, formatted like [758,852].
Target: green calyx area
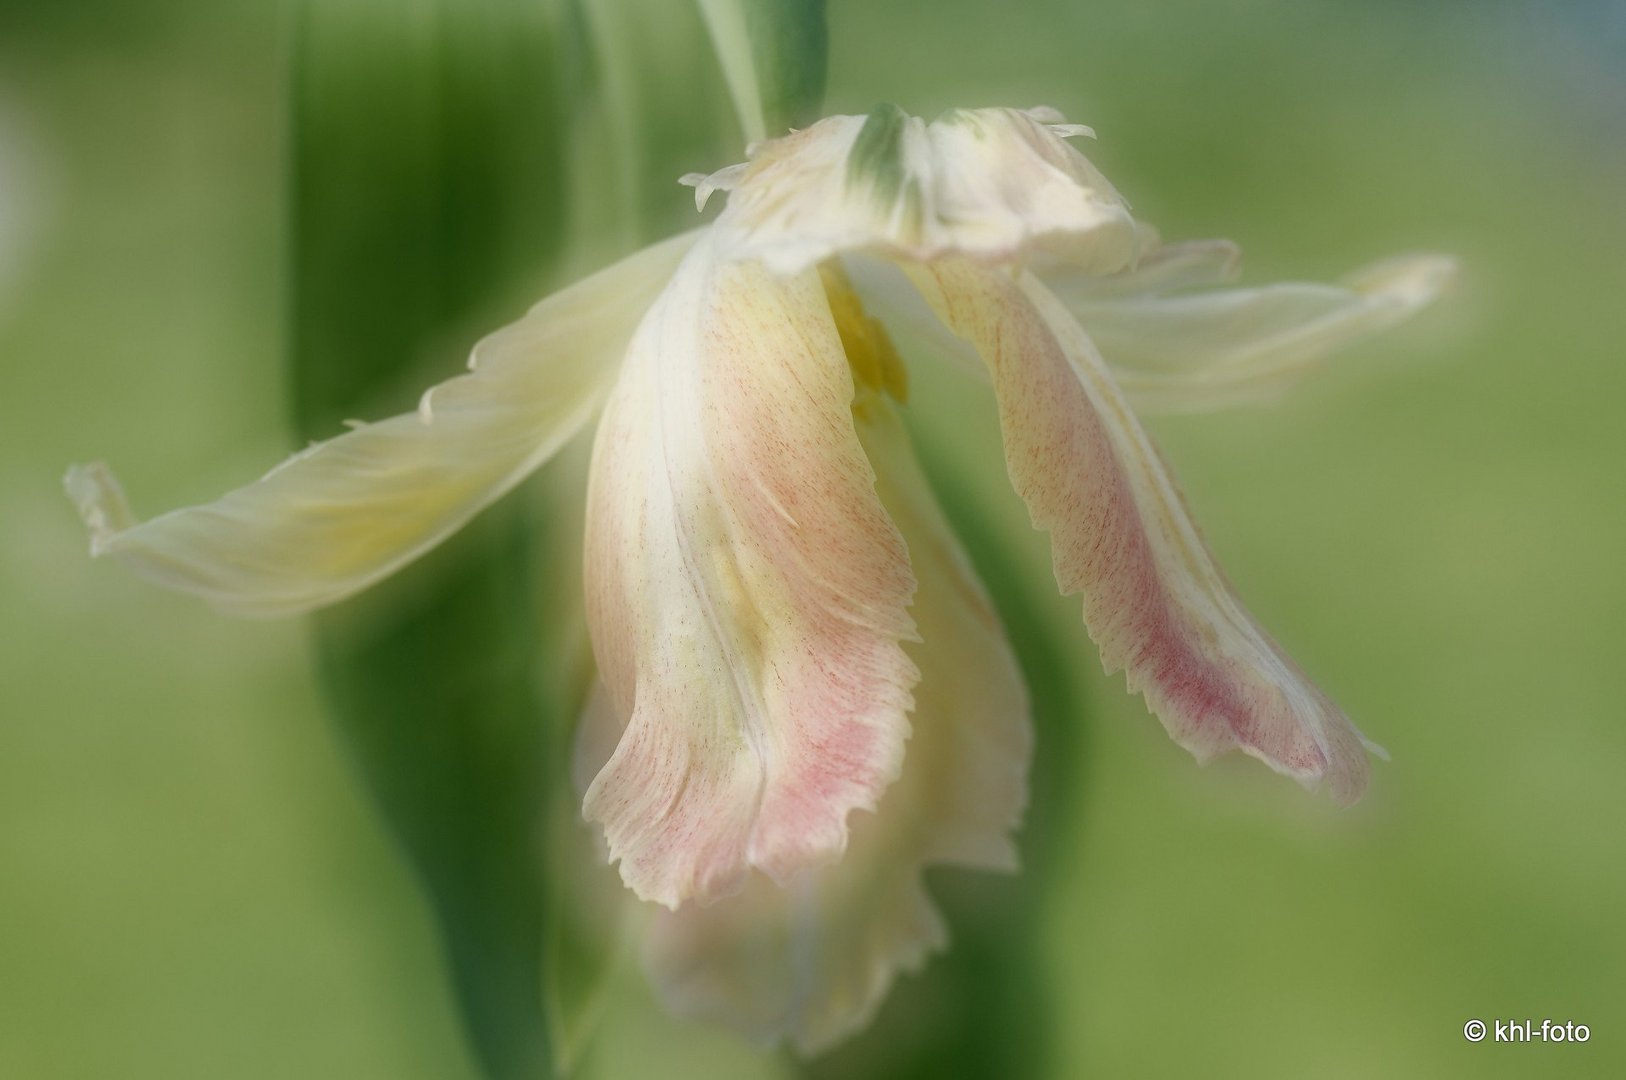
[876,158]
[876,167]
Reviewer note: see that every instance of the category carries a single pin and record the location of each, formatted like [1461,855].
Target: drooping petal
[990,183]
[344,513]
[746,592]
[972,733]
[1207,350]
[1154,600]
[811,962]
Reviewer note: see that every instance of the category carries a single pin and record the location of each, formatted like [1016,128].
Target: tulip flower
[785,629]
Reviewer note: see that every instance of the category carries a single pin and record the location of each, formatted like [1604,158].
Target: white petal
[811,962]
[746,591]
[1159,268]
[344,513]
[1206,350]
[995,184]
[1009,185]
[1154,600]
[708,184]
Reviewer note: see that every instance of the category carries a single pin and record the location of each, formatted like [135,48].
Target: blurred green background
[191,884]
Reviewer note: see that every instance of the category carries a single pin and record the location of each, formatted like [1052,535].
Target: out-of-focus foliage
[649,105]
[426,142]
[774,55]
[428,147]
[190,885]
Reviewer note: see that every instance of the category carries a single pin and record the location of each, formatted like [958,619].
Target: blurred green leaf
[426,148]
[588,934]
[774,54]
[653,107]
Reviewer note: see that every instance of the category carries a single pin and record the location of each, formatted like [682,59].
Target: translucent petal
[811,962]
[1159,268]
[1154,600]
[747,593]
[1205,350]
[344,513]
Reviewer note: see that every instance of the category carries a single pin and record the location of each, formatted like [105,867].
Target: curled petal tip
[1046,114]
[701,191]
[706,184]
[1346,781]
[1176,347]
[1412,281]
[96,494]
[1338,765]
[1375,749]
[1056,121]
[341,514]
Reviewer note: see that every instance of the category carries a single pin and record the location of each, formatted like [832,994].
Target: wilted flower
[776,604]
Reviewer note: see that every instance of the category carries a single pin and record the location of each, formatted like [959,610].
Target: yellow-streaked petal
[747,594]
[1205,350]
[809,963]
[1155,602]
[344,513]
[994,184]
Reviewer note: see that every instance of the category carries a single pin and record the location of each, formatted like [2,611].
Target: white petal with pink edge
[1155,602]
[746,591]
[811,961]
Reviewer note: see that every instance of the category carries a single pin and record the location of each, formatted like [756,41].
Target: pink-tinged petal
[811,961]
[1154,600]
[344,513]
[746,592]
[964,788]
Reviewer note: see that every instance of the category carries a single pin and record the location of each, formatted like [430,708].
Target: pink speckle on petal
[1154,601]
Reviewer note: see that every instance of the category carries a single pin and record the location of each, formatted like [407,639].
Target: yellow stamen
[875,363]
